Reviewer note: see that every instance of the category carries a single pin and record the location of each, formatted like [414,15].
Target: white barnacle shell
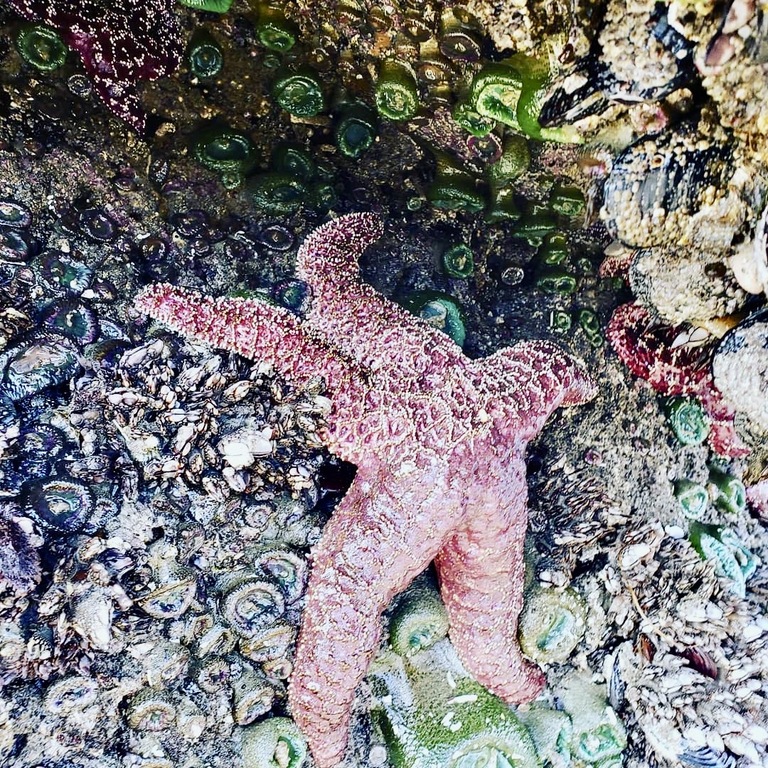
[749,261]
[92,617]
[241,447]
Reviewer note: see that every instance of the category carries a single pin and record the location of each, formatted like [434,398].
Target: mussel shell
[670,172]
[13,214]
[43,360]
[73,318]
[59,504]
[706,757]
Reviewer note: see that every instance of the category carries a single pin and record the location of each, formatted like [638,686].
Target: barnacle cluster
[157,500]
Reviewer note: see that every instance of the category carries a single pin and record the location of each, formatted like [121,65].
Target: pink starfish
[439,442]
[649,351]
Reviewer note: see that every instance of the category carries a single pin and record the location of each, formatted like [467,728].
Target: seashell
[41,645]
[684,286]
[59,504]
[617,687]
[701,661]
[45,360]
[152,710]
[740,369]
[673,174]
[92,615]
[74,319]
[250,604]
[70,694]
[253,696]
[706,757]
[631,554]
[241,447]
[285,567]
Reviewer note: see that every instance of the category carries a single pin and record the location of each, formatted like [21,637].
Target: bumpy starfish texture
[439,442]
[649,351]
[120,44]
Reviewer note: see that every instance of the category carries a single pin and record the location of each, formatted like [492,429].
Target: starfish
[439,443]
[651,352]
[120,43]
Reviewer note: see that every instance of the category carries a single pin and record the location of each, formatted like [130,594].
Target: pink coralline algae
[120,43]
[439,443]
[648,349]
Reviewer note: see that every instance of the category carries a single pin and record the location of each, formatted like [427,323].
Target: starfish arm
[254,329]
[481,571]
[374,545]
[361,321]
[540,376]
